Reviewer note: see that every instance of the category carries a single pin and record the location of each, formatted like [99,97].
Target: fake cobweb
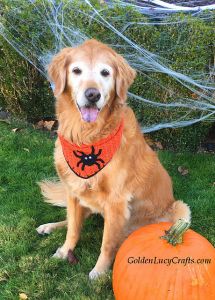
[58,24]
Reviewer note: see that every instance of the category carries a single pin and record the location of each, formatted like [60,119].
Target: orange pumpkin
[148,267]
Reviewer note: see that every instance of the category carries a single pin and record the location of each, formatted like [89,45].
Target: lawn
[25,257]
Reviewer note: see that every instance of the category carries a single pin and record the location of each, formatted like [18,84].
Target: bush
[24,92]
[186,48]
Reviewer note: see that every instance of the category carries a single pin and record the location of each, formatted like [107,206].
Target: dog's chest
[92,193]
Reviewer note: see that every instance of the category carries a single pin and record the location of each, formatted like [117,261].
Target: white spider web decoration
[56,23]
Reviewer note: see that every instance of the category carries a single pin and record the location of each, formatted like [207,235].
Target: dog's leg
[75,217]
[115,217]
[49,227]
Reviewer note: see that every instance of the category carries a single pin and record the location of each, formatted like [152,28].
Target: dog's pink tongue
[89,114]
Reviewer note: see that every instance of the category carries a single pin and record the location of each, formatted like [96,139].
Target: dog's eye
[105,73]
[77,71]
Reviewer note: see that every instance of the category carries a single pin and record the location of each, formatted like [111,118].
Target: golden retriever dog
[133,189]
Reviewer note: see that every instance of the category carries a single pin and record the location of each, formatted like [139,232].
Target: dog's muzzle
[93,95]
[89,112]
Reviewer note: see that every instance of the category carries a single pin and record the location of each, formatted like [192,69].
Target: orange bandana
[87,160]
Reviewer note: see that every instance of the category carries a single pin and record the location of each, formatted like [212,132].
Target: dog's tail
[53,192]
[177,210]
[180,210]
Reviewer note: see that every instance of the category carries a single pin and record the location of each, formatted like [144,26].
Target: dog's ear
[125,76]
[57,70]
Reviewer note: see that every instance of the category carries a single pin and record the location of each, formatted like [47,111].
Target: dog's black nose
[92,95]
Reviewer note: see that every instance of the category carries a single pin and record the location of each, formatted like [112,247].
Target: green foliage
[24,92]
[185,46]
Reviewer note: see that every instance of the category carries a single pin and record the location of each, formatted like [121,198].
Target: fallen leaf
[23,296]
[16,129]
[45,125]
[39,125]
[183,171]
[149,141]
[159,145]
[154,145]
[49,124]
[26,149]
[71,258]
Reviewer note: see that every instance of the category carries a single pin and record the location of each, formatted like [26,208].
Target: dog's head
[94,74]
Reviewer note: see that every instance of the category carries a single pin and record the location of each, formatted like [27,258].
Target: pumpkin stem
[175,234]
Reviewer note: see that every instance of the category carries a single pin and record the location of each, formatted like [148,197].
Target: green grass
[25,257]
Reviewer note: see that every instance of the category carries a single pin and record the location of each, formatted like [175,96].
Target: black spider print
[88,159]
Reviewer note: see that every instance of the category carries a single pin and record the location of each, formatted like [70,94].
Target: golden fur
[134,189]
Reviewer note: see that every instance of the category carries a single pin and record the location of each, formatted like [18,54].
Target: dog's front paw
[61,253]
[45,228]
[94,274]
